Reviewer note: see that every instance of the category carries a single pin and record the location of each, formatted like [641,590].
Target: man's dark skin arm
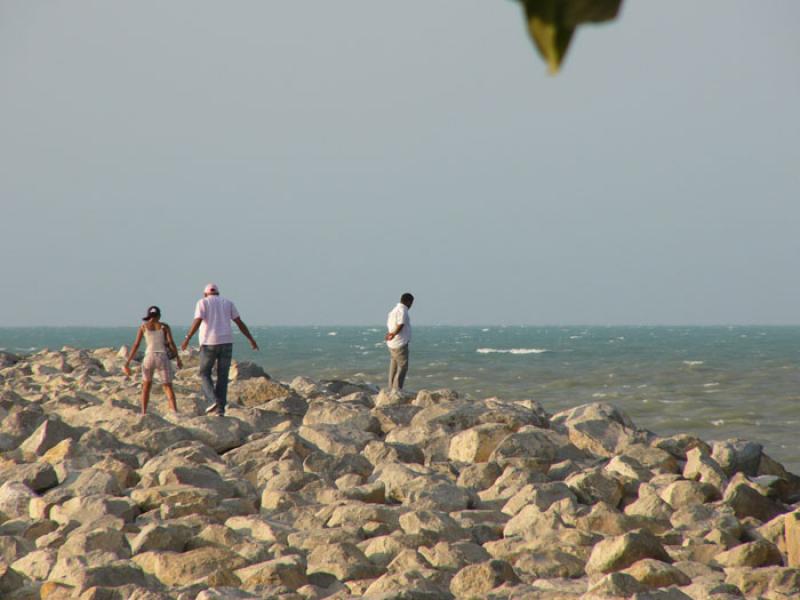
[192,330]
[246,332]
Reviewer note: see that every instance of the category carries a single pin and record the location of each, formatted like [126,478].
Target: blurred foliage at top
[552,23]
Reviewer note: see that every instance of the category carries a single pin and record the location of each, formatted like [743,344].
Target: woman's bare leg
[146,386]
[170,396]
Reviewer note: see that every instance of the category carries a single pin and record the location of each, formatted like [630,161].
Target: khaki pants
[398,367]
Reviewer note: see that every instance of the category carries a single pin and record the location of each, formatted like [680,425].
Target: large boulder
[737,456]
[36,565]
[454,556]
[747,501]
[333,439]
[289,571]
[476,444]
[52,431]
[166,537]
[86,509]
[457,416]
[15,499]
[348,414]
[599,428]
[531,447]
[541,495]
[432,526]
[656,574]
[700,466]
[477,581]
[39,477]
[20,420]
[753,554]
[257,391]
[620,552]
[84,541]
[791,525]
[10,580]
[220,434]
[199,476]
[176,569]
[241,370]
[595,485]
[341,561]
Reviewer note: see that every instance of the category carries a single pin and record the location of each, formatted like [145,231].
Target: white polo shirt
[398,315]
[217,313]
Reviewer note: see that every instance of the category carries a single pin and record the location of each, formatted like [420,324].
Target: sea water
[714,382]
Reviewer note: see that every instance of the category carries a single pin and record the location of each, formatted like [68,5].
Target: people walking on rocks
[398,337]
[159,346]
[212,316]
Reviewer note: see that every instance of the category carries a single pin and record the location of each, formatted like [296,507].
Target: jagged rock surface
[334,489]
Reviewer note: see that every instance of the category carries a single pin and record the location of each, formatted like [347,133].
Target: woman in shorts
[158,338]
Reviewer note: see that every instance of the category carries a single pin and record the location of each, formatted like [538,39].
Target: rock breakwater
[333,489]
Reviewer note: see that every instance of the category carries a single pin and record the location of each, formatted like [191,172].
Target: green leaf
[552,23]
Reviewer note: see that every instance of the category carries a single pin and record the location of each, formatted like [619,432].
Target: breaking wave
[512,350]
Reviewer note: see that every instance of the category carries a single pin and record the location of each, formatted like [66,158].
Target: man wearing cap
[212,316]
[398,325]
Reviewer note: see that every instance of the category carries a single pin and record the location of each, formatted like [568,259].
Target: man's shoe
[213,408]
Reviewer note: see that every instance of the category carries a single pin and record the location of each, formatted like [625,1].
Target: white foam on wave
[693,363]
[718,422]
[485,329]
[712,384]
[512,350]
[575,337]
[333,333]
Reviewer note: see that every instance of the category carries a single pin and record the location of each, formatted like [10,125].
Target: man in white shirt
[398,337]
[212,316]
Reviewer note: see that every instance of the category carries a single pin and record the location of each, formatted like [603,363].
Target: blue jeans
[221,356]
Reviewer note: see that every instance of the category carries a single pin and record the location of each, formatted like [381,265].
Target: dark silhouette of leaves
[552,23]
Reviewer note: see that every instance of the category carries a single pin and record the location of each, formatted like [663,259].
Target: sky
[318,159]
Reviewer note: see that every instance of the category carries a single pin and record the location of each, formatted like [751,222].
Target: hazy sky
[317,159]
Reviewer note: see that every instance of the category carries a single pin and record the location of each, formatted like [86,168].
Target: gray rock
[735,456]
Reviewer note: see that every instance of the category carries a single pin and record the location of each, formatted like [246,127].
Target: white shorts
[157,362]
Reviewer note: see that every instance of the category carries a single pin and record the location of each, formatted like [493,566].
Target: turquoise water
[715,382]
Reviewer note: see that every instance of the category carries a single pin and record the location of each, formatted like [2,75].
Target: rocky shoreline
[333,489]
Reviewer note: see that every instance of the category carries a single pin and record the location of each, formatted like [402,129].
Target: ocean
[713,382]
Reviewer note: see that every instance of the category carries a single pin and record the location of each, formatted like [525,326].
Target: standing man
[398,325]
[213,315]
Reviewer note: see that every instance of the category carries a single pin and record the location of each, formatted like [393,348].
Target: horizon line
[380,325]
